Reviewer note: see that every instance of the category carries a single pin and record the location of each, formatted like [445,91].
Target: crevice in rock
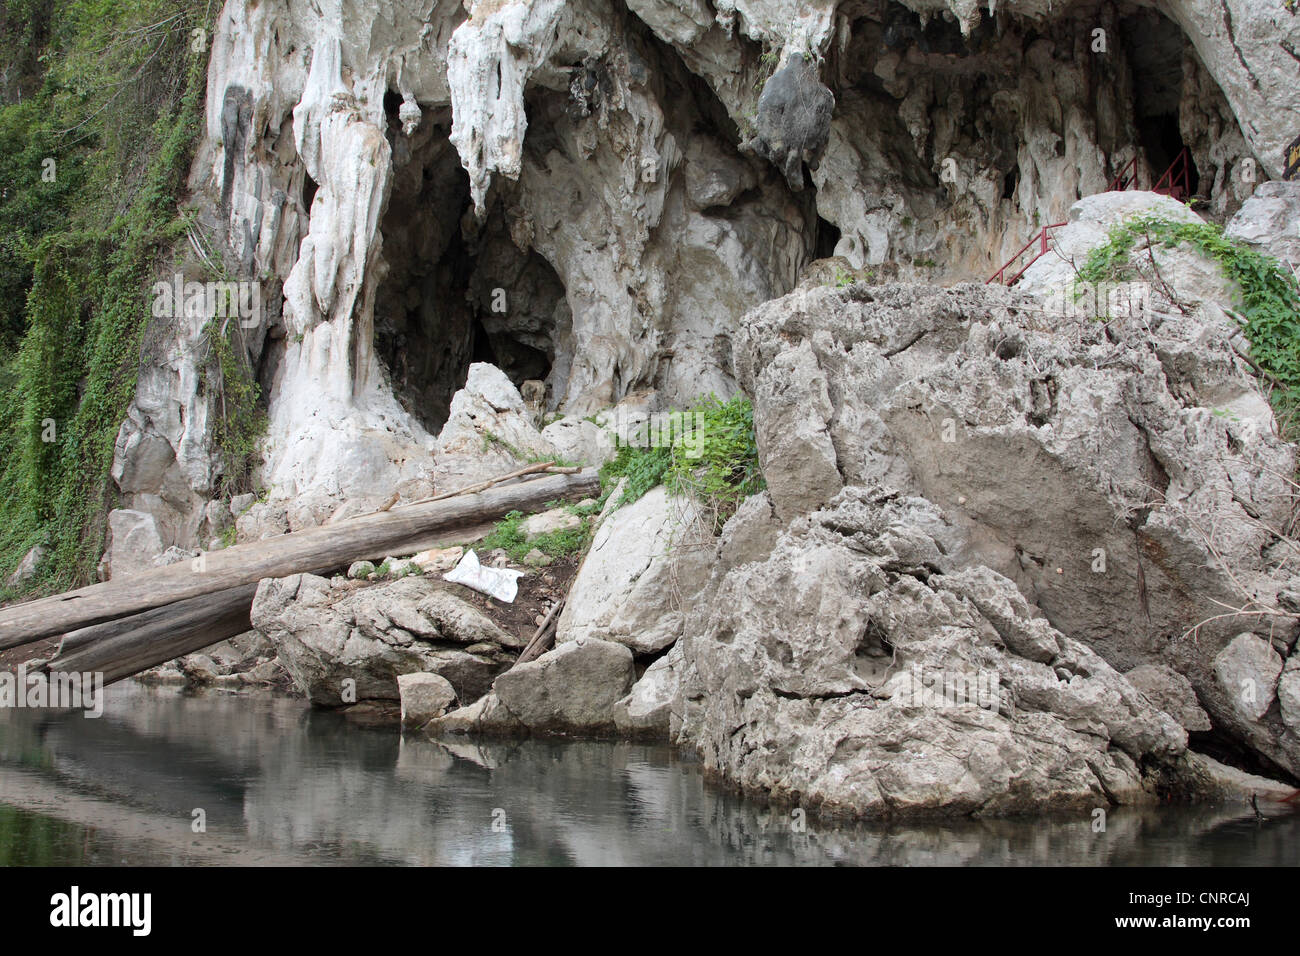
[1226,749]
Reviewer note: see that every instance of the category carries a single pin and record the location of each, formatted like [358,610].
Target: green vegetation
[98,120]
[713,456]
[1267,295]
[508,535]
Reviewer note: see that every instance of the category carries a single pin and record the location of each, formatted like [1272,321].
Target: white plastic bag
[500,583]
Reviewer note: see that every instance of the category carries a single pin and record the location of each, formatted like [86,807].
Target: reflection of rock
[302,786]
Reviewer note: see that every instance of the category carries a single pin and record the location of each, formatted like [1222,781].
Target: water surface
[280,783]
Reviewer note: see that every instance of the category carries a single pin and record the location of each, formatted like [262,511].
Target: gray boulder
[346,645]
[574,689]
[647,561]
[424,697]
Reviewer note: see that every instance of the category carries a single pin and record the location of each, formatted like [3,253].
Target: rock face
[646,563]
[446,206]
[591,195]
[848,673]
[1037,507]
[343,646]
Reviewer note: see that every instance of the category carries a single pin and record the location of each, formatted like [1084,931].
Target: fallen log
[313,550]
[156,636]
[213,604]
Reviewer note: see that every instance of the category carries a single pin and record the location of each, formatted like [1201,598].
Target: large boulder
[575,689]
[345,645]
[1110,486]
[857,670]
[489,429]
[135,540]
[647,562]
[1269,221]
[1193,277]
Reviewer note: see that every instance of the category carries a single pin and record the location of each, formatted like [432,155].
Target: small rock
[438,559]
[361,569]
[536,559]
[424,697]
[28,566]
[557,519]
[499,558]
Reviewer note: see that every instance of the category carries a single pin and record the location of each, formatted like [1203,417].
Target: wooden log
[214,604]
[314,550]
[156,636]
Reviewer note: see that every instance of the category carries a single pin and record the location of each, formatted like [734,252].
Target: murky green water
[278,783]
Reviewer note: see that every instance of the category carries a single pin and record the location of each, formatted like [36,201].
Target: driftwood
[314,550]
[133,644]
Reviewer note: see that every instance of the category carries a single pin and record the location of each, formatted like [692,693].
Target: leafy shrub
[717,463]
[1267,295]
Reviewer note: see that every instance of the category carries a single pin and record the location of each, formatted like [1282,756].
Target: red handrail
[1126,178]
[1040,238]
[1177,180]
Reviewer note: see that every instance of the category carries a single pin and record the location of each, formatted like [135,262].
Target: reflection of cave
[454,292]
[1155,46]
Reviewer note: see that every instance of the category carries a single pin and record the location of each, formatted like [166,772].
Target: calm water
[282,784]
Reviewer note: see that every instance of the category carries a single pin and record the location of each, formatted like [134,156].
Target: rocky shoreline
[953,597]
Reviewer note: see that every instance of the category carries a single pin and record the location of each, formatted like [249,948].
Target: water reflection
[280,783]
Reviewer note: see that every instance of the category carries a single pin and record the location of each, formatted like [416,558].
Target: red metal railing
[1177,180]
[1041,241]
[1126,178]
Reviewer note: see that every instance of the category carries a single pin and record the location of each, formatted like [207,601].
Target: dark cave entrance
[1155,48]
[454,291]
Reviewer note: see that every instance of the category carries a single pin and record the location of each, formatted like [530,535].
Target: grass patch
[508,535]
[713,458]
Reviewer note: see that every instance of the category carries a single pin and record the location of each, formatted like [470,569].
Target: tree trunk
[314,550]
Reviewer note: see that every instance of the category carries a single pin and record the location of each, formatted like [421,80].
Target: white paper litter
[500,583]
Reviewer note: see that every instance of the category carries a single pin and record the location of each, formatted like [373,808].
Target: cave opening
[1155,48]
[454,291]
